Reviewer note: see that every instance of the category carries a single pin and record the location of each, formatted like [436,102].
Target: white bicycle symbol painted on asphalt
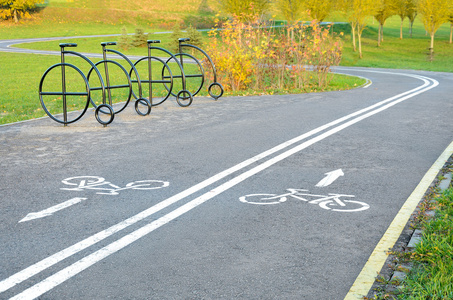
[103,187]
[330,202]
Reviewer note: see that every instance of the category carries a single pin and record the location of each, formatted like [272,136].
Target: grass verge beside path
[431,262]
[432,274]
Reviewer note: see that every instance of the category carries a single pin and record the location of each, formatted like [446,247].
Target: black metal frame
[211,63]
[64,93]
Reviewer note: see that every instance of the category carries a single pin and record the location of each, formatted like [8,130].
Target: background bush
[250,55]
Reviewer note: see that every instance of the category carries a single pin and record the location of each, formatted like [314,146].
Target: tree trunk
[359,35]
[382,32]
[379,36]
[353,37]
[401,30]
[431,48]
[451,33]
[16,19]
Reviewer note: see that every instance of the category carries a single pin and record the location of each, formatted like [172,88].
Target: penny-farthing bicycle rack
[215,84]
[190,75]
[185,96]
[125,83]
[166,78]
[60,70]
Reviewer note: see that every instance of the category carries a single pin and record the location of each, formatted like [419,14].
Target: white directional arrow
[330,177]
[49,211]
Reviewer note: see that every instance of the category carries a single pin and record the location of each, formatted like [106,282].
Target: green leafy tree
[139,39]
[195,36]
[16,9]
[124,42]
[434,13]
[174,37]
[245,9]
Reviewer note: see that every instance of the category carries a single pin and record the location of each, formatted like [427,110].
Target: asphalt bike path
[150,207]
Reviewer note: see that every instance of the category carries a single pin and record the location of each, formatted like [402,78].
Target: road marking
[38,289]
[330,178]
[51,210]
[302,195]
[367,276]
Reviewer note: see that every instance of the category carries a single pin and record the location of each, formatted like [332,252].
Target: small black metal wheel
[140,103]
[184,98]
[103,108]
[217,92]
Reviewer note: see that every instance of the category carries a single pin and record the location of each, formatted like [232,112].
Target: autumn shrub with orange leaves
[255,55]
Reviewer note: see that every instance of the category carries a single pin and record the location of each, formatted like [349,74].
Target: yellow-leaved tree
[245,9]
[450,19]
[434,13]
[385,9]
[318,9]
[401,9]
[290,9]
[358,12]
[411,13]
[15,9]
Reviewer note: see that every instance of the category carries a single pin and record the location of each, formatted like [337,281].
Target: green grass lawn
[408,53]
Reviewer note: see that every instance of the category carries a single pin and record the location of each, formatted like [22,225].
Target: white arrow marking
[331,177]
[49,211]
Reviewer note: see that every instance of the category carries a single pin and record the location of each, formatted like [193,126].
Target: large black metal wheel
[64,93]
[156,79]
[117,82]
[192,72]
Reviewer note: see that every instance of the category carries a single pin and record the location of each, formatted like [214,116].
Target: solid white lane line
[70,271]
[92,240]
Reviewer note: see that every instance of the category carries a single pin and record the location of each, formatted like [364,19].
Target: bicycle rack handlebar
[63,45]
[181,40]
[103,44]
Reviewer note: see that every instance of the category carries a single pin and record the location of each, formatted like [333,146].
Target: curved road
[9,45]
[170,206]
